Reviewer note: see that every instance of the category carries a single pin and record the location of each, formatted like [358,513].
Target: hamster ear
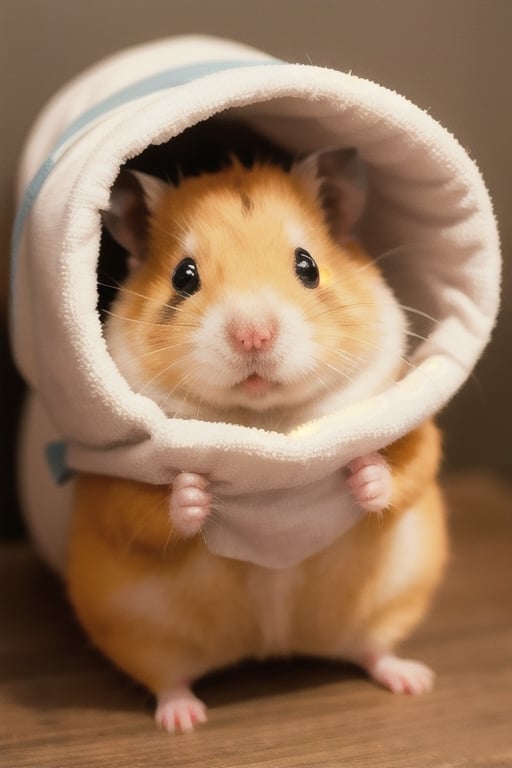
[133,198]
[338,179]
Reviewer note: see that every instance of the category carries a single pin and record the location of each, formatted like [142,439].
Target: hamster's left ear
[338,179]
[133,199]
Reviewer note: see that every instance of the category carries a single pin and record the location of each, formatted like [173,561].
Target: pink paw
[178,711]
[190,503]
[401,675]
[370,482]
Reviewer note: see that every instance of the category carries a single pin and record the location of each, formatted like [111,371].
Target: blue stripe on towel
[57,461]
[167,79]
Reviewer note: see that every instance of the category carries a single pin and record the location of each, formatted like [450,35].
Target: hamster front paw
[370,482]
[190,503]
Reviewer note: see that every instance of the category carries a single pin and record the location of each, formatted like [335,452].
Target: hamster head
[246,300]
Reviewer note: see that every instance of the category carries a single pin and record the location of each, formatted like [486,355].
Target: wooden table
[62,705]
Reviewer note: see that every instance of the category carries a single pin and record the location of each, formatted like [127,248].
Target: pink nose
[248,338]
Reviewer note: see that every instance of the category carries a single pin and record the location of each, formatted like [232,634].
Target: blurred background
[450,57]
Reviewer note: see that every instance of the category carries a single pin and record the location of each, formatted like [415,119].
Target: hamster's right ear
[133,198]
[337,177]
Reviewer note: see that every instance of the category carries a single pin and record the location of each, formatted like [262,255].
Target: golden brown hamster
[248,301]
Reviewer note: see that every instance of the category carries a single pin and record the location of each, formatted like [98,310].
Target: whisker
[165,552]
[134,319]
[157,376]
[420,313]
[362,361]
[167,348]
[338,371]
[404,248]
[185,397]
[167,324]
[416,335]
[199,406]
[120,287]
[189,377]
[339,308]
[347,307]
[339,333]
[326,384]
[215,517]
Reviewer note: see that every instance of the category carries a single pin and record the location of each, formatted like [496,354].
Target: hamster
[249,301]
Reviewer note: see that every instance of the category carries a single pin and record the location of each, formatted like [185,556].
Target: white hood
[427,201]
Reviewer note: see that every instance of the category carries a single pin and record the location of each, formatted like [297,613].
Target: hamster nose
[249,338]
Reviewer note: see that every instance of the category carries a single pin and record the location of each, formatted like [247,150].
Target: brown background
[451,57]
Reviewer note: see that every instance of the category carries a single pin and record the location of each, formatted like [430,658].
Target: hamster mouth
[256,386]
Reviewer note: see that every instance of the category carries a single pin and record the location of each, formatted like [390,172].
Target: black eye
[185,277]
[306,268]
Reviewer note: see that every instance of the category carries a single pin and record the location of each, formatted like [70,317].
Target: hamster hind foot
[399,675]
[190,503]
[179,711]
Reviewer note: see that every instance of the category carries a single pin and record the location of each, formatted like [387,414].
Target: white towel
[427,201]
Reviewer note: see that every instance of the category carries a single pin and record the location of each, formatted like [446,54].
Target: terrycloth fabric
[427,202]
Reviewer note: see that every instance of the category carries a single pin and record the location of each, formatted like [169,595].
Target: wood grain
[61,704]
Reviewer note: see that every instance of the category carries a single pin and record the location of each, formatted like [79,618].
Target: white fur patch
[220,367]
[296,234]
[190,243]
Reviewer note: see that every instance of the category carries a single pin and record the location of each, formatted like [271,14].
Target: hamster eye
[185,277]
[306,268]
